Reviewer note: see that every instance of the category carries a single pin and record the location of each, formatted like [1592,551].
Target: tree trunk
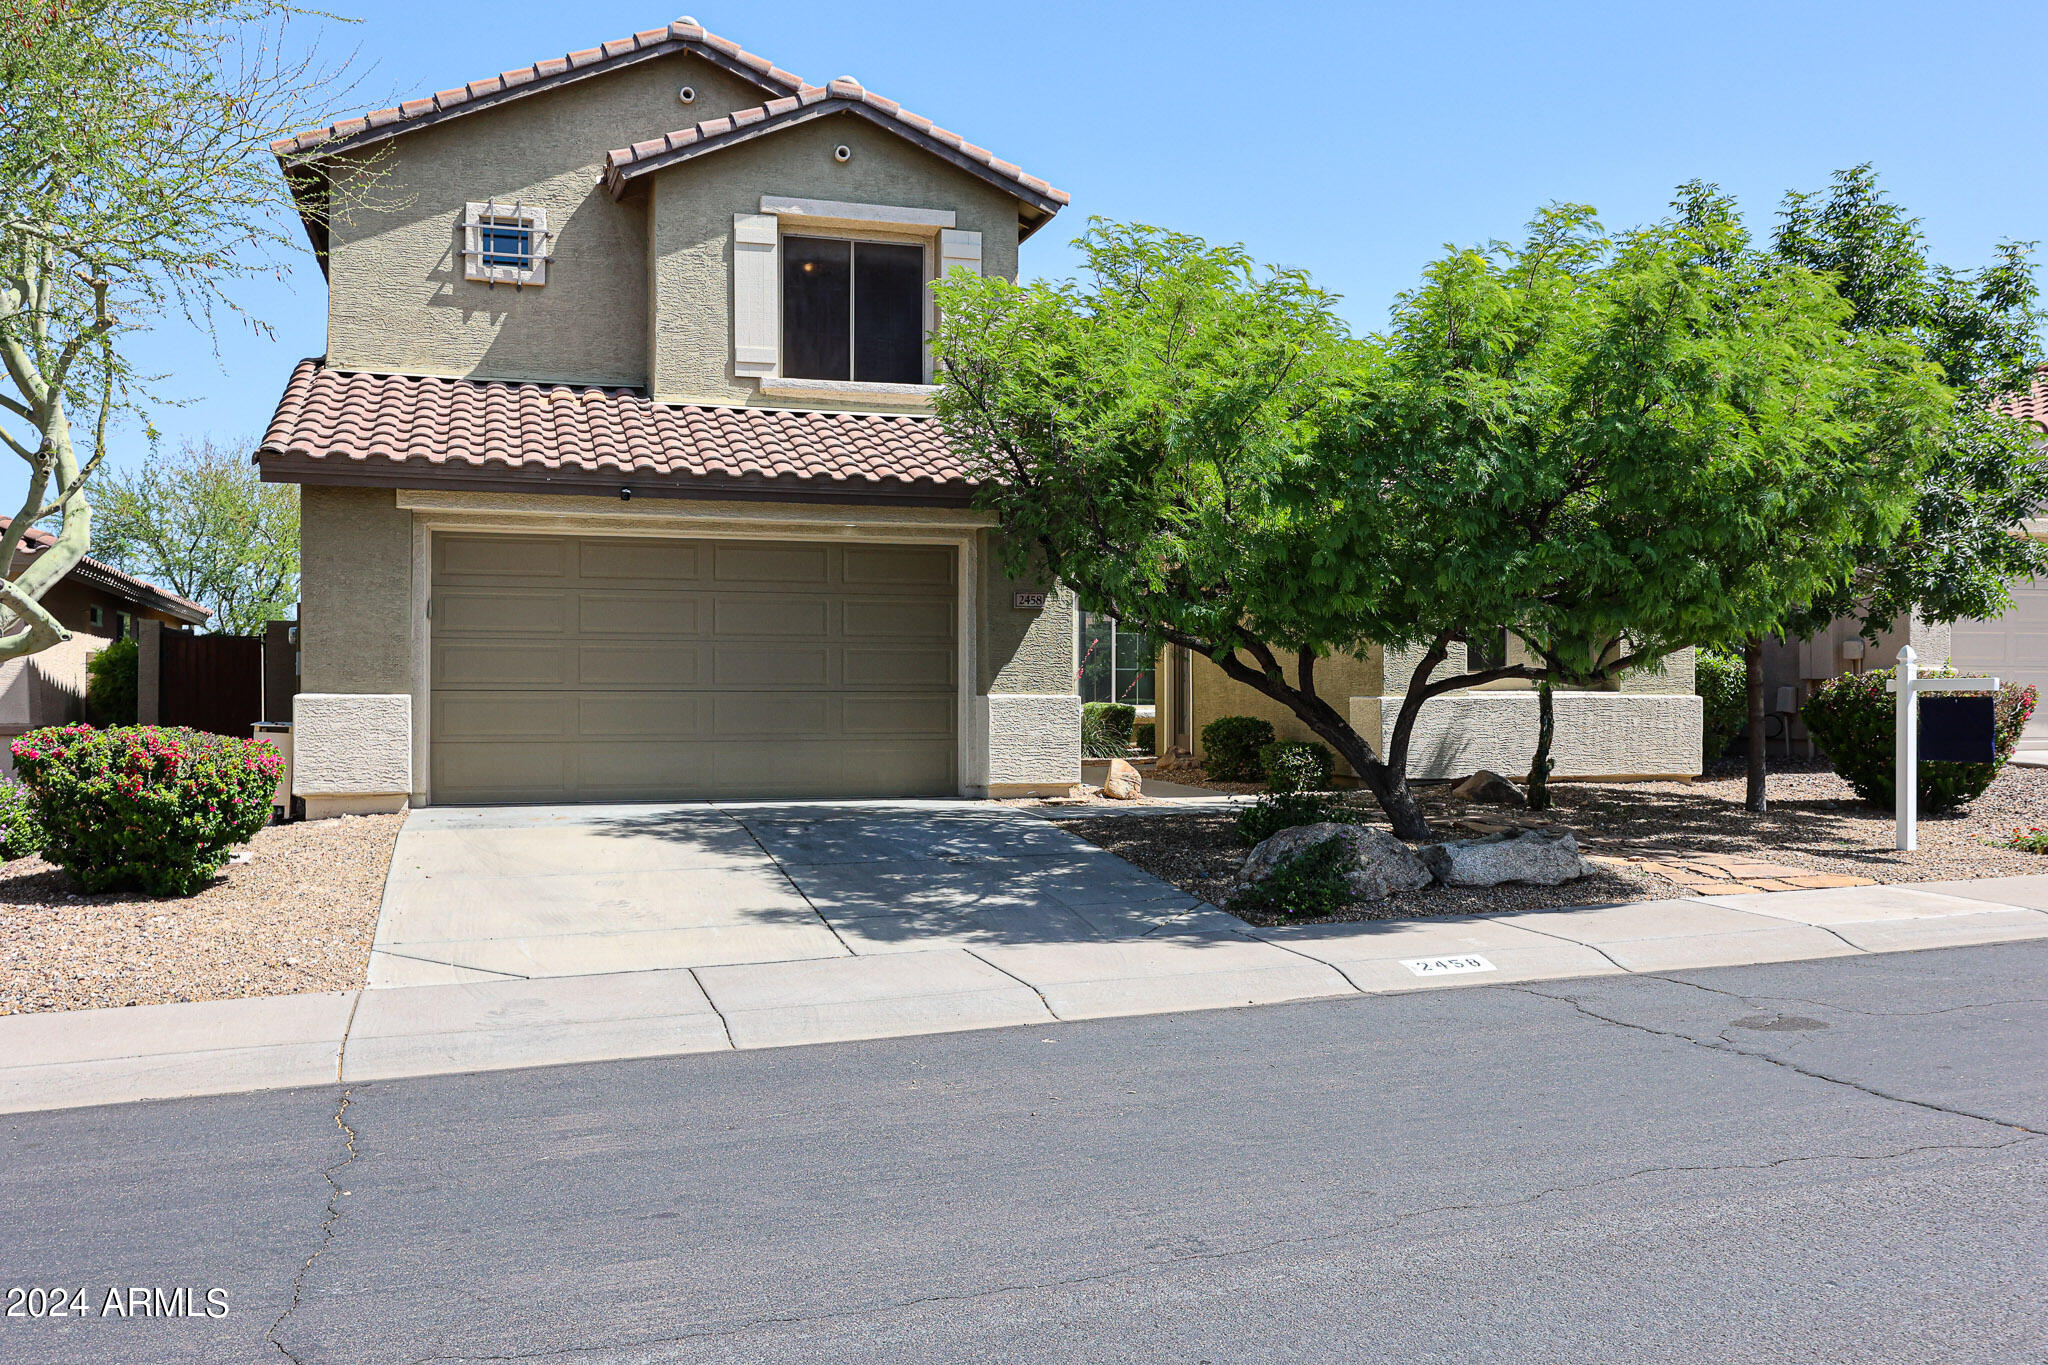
[1540,765]
[1753,664]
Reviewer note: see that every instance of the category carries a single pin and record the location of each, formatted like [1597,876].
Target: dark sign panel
[1958,730]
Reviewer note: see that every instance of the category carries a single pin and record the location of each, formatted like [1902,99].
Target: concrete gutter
[1212,961]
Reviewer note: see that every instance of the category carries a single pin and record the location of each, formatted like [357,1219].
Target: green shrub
[110,684]
[1309,884]
[1275,811]
[1297,765]
[1145,737]
[1855,720]
[20,835]
[142,807]
[1722,680]
[1230,748]
[1106,728]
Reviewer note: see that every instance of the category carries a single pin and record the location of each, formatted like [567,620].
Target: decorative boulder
[1380,863]
[1523,855]
[1123,782]
[1490,789]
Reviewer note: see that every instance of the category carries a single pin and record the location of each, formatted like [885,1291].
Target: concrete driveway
[483,893]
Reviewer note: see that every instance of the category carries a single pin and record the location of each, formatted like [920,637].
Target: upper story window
[852,310]
[505,244]
[97,615]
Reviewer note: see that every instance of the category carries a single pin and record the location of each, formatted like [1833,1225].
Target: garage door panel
[924,717]
[665,615]
[773,715]
[771,614]
[648,716]
[673,561]
[602,669]
[495,715]
[498,612]
[650,665]
[2014,647]
[770,666]
[893,564]
[891,617]
[532,557]
[734,563]
[903,667]
[534,663]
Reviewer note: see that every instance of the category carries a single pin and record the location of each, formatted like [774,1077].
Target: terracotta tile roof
[2030,405]
[105,576]
[812,101]
[338,426]
[683,34]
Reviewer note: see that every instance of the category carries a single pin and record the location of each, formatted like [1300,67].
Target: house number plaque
[1028,601]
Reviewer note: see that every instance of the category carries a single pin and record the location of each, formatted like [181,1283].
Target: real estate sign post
[1906,749]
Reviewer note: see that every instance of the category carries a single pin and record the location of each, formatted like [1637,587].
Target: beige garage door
[2013,648]
[592,668]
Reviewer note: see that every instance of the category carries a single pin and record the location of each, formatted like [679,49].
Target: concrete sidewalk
[1209,961]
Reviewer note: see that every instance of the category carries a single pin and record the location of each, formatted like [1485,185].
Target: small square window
[97,615]
[505,244]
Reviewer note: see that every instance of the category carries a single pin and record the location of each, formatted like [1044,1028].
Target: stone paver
[936,991]
[1663,936]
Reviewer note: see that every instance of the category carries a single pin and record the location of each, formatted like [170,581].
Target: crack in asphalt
[348,1138]
[1217,1254]
[1728,1046]
[1754,1000]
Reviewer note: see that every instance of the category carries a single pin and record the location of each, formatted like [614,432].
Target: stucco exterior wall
[355,593]
[397,299]
[1599,734]
[1337,679]
[692,207]
[1024,650]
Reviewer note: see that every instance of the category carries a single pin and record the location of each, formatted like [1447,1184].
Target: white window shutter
[959,248]
[756,295]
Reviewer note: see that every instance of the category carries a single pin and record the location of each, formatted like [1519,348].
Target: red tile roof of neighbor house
[684,34]
[338,426]
[105,576]
[2031,404]
[812,101]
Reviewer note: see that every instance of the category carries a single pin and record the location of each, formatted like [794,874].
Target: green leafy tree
[135,183]
[204,524]
[1963,544]
[1609,446]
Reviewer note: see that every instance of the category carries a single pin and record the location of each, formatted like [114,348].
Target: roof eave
[619,179]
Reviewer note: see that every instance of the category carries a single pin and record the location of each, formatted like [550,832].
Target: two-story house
[619,475]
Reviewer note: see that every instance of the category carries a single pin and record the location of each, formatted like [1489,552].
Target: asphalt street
[1833,1161]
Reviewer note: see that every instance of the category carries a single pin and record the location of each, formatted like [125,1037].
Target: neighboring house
[619,474]
[98,604]
[2012,648]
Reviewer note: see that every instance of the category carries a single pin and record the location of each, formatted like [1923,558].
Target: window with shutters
[852,310]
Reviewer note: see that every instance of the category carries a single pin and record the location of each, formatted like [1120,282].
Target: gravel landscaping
[1815,822]
[298,916]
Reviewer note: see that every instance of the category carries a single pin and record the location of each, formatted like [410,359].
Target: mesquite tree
[135,183]
[1586,440]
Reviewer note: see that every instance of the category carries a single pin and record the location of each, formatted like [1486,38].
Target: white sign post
[1906,747]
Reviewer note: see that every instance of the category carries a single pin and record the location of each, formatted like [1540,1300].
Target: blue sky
[1353,140]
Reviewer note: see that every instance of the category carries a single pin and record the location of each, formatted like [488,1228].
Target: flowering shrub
[20,835]
[1855,720]
[2033,840]
[143,807]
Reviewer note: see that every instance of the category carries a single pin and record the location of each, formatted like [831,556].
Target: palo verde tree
[1584,440]
[135,184]
[1957,553]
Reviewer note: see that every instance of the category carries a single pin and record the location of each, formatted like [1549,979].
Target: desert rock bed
[1815,825]
[298,916]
